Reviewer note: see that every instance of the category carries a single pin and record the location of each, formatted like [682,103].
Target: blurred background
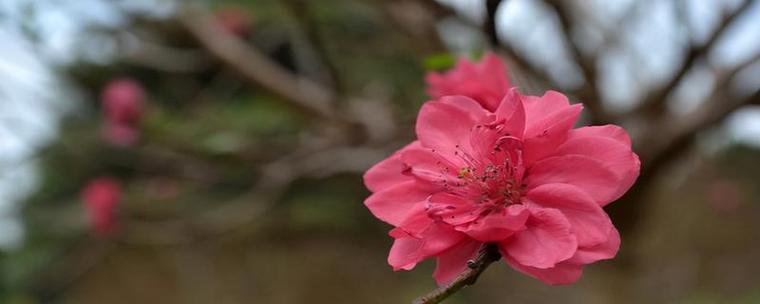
[158,151]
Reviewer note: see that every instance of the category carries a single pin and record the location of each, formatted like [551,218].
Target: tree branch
[717,107]
[310,28]
[589,94]
[489,27]
[522,63]
[654,103]
[257,68]
[487,255]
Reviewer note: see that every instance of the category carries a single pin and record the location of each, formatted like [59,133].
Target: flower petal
[452,209]
[561,274]
[544,135]
[393,205]
[546,241]
[610,131]
[497,226]
[538,108]
[486,82]
[586,173]
[613,153]
[445,124]
[603,251]
[389,171]
[404,253]
[431,167]
[408,250]
[590,223]
[512,113]
[454,261]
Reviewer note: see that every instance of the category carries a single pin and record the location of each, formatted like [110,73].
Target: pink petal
[512,112]
[489,142]
[393,205]
[538,108]
[495,78]
[408,250]
[590,223]
[603,251]
[546,241]
[431,167]
[389,171]
[542,136]
[445,125]
[404,253]
[486,82]
[586,173]
[454,261]
[561,274]
[614,153]
[609,131]
[497,226]
[452,209]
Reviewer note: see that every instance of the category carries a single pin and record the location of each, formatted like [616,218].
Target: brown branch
[717,107]
[307,24]
[521,62]
[257,68]
[487,255]
[415,21]
[161,57]
[589,93]
[489,27]
[654,103]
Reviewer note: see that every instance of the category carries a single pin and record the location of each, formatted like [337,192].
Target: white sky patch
[744,126]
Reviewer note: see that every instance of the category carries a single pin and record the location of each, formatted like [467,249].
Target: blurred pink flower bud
[123,100]
[485,81]
[234,20]
[100,196]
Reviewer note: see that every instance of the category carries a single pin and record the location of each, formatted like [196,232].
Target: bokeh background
[234,167]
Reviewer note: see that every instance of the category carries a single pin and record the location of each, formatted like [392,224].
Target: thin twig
[257,68]
[589,93]
[305,20]
[504,47]
[716,108]
[492,6]
[487,255]
[654,102]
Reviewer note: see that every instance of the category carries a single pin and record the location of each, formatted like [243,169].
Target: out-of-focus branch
[654,103]
[416,21]
[489,27]
[719,106]
[522,63]
[670,137]
[161,57]
[589,94]
[304,17]
[487,255]
[241,212]
[257,68]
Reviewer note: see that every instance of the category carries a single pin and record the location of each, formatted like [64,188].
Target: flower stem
[487,255]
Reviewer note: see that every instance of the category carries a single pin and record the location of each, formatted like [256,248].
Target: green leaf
[439,62]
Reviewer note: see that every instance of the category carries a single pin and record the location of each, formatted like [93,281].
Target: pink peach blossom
[122,101]
[100,196]
[517,175]
[486,82]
